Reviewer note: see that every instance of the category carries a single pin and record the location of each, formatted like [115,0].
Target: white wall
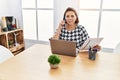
[14,8]
[11,8]
[3,7]
[60,6]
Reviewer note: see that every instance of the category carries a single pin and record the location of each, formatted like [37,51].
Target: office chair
[4,54]
[117,48]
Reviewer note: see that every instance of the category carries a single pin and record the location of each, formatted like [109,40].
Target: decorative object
[0,29]
[10,43]
[9,23]
[15,35]
[54,60]
[4,26]
[92,53]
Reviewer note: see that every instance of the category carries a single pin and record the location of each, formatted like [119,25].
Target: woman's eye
[72,16]
[67,16]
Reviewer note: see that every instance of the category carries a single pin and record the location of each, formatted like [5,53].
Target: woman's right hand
[58,30]
[62,23]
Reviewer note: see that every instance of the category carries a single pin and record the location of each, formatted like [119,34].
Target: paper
[90,42]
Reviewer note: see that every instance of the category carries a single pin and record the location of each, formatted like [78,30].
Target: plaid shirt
[79,35]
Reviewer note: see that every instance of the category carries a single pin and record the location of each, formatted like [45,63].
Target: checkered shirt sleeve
[79,35]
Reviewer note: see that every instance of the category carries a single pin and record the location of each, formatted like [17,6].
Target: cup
[92,53]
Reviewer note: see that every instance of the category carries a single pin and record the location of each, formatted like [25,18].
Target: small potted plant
[54,60]
[10,43]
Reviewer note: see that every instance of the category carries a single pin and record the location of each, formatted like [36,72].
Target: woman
[70,30]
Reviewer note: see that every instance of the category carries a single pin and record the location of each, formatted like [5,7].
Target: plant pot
[54,66]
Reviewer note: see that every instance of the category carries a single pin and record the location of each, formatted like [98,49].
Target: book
[9,23]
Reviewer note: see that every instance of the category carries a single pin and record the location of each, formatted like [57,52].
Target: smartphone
[64,20]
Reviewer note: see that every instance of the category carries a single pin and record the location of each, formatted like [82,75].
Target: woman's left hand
[98,47]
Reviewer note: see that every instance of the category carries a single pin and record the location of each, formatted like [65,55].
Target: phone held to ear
[64,20]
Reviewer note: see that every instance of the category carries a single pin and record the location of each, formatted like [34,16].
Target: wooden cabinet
[13,40]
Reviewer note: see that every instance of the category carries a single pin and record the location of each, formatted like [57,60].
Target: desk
[32,64]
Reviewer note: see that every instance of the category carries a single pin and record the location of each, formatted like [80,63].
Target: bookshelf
[13,40]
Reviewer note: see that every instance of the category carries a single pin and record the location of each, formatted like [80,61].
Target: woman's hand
[58,31]
[98,47]
[62,23]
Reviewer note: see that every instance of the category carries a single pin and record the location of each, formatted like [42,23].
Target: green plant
[10,42]
[54,59]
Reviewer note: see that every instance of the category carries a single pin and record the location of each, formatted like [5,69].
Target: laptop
[63,47]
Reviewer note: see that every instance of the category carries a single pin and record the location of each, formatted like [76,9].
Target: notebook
[90,42]
[63,47]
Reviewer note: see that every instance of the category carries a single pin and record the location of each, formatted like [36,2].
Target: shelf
[9,38]
[15,48]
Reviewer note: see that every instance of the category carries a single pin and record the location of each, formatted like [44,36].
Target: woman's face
[70,17]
